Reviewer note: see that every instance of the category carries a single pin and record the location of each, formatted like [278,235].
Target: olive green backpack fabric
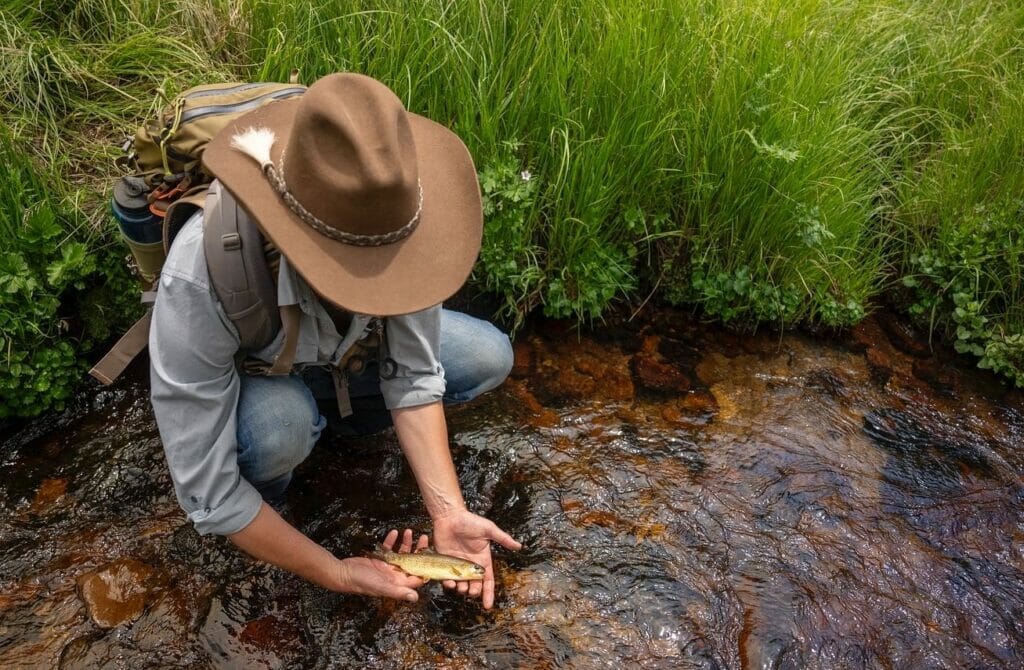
[170,146]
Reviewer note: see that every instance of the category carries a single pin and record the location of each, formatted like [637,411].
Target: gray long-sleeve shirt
[195,385]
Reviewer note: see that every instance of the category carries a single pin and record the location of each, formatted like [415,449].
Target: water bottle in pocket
[141,229]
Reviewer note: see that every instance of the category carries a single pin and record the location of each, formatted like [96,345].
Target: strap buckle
[231,241]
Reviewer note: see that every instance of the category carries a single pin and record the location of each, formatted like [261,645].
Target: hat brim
[407,276]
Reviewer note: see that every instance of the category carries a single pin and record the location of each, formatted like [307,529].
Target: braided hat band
[257,142]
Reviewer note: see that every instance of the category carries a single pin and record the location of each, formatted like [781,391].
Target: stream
[687,498]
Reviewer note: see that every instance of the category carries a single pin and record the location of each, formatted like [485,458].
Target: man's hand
[423,434]
[373,577]
[467,535]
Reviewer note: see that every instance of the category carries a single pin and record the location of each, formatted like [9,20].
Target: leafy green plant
[510,259]
[75,77]
[967,284]
[32,273]
[46,278]
[962,223]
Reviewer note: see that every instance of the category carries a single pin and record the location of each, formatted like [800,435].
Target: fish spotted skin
[430,565]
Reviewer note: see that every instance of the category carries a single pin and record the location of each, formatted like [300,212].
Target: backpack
[168,149]
[166,154]
[164,160]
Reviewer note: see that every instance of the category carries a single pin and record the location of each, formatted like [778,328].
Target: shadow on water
[687,499]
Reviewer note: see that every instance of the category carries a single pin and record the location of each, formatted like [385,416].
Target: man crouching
[376,215]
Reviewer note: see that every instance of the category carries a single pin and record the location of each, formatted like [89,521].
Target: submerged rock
[880,363]
[653,373]
[577,369]
[49,495]
[116,593]
[523,357]
[943,378]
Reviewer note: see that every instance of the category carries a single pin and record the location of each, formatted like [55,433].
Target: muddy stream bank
[688,498]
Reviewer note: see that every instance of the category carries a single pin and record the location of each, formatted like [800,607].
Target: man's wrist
[442,511]
[341,580]
[328,571]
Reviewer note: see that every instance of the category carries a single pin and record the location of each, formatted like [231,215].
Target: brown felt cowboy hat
[377,208]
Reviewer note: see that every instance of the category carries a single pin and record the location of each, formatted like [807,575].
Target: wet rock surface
[116,593]
[687,499]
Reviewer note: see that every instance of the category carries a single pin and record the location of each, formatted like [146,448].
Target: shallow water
[688,499]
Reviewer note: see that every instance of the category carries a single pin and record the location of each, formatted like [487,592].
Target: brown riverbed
[688,498]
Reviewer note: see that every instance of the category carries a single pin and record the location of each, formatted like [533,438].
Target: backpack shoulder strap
[237,264]
[110,367]
[180,211]
[239,271]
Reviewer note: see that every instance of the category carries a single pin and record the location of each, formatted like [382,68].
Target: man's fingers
[389,540]
[400,593]
[423,543]
[488,588]
[475,588]
[406,542]
[449,583]
[504,539]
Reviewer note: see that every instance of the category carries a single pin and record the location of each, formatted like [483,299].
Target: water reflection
[688,499]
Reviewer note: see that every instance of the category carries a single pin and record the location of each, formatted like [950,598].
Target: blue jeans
[279,420]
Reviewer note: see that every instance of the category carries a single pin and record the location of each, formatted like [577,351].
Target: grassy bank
[768,161]
[62,289]
[74,78]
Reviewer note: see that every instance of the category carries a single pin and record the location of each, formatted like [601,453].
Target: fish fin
[426,550]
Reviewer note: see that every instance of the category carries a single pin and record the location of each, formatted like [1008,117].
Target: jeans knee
[499,363]
[485,369]
[278,451]
[278,424]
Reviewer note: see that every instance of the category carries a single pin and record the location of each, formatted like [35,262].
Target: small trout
[431,565]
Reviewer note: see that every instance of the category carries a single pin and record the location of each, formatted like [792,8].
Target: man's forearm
[272,539]
[423,434]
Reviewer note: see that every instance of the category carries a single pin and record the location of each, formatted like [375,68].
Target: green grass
[778,224]
[963,212]
[574,93]
[958,198]
[74,78]
[759,160]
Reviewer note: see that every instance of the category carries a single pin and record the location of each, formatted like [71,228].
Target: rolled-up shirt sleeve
[195,390]
[413,375]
